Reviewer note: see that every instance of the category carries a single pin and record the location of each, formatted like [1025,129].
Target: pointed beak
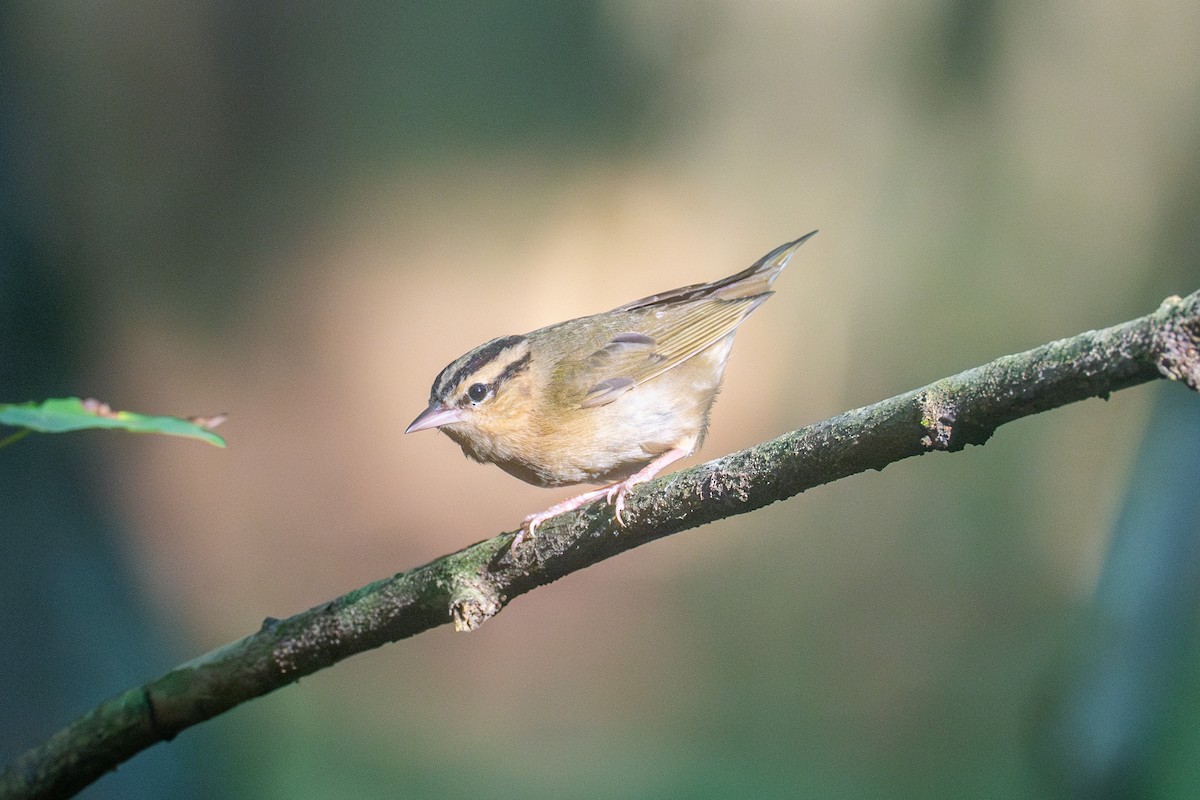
[434,417]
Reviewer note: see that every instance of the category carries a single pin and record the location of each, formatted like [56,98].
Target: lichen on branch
[471,586]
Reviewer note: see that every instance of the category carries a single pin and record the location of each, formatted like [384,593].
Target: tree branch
[473,585]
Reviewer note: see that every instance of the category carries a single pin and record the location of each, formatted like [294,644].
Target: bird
[612,398]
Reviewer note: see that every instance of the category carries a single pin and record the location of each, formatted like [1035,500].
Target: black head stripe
[453,374]
[515,368]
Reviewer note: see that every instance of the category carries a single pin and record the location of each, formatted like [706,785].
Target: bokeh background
[299,212]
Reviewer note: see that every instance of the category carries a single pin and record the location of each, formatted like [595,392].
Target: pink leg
[615,494]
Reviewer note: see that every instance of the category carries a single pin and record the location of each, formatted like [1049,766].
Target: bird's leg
[615,493]
[529,526]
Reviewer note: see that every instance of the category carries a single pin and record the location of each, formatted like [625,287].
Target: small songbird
[613,398]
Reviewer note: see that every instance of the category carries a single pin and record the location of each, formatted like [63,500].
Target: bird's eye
[477,392]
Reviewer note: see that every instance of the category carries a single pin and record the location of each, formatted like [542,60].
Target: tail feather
[754,280]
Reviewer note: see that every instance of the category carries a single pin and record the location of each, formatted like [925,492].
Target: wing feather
[641,340]
[658,344]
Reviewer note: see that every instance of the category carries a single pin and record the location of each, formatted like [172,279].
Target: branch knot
[945,428]
[473,603]
[1177,343]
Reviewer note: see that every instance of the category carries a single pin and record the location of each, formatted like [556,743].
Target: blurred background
[298,213]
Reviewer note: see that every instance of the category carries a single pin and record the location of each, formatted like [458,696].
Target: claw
[526,530]
[616,498]
[530,524]
[614,494]
[529,528]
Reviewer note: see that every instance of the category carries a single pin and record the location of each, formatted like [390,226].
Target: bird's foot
[615,494]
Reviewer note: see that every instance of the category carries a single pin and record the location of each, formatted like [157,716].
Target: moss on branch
[469,587]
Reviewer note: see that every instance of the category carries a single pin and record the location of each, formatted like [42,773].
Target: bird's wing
[657,341]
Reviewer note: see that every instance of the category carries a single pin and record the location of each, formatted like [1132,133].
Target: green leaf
[72,414]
